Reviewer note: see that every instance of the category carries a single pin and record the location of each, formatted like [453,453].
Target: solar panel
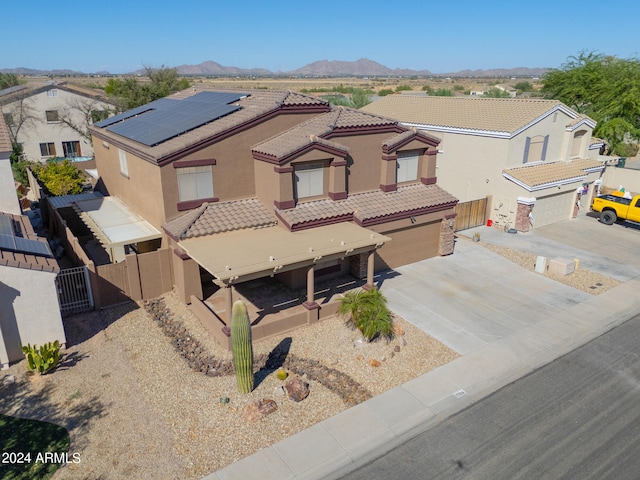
[26,245]
[9,241]
[6,226]
[158,126]
[123,116]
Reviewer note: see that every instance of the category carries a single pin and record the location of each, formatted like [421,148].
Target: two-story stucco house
[275,186]
[529,158]
[51,120]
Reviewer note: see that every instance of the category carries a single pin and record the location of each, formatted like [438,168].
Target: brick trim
[287,204]
[337,195]
[389,188]
[429,181]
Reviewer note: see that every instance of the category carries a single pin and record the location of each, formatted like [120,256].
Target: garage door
[409,245]
[553,208]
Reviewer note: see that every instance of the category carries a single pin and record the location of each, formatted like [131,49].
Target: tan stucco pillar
[370,270]
[284,195]
[311,305]
[428,168]
[228,297]
[388,173]
[186,276]
[338,179]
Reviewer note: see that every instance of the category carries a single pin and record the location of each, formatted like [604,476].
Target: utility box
[561,266]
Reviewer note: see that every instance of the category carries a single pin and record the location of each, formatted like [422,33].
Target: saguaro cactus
[242,347]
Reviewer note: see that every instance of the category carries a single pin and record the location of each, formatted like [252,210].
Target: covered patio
[287,279]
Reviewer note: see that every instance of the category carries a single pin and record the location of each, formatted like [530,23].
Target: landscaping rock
[374,363]
[297,389]
[259,409]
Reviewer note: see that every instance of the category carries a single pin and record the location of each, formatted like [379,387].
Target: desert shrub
[367,311]
[384,92]
[59,178]
[43,359]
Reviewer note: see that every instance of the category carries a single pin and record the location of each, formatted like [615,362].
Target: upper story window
[52,93]
[407,166]
[124,166]
[309,180]
[576,146]
[535,149]
[195,183]
[52,116]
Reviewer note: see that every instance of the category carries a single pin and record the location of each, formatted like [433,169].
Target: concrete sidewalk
[505,322]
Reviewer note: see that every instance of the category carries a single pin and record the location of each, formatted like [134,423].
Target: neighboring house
[8,198]
[529,158]
[507,88]
[51,120]
[30,310]
[258,184]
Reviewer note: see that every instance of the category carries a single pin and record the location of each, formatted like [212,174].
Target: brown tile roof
[543,175]
[369,208]
[212,218]
[257,104]
[9,258]
[312,132]
[5,138]
[504,116]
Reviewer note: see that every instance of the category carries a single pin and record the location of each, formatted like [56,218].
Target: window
[52,93]
[576,146]
[195,183]
[71,149]
[52,116]
[48,149]
[535,149]
[124,166]
[407,167]
[309,180]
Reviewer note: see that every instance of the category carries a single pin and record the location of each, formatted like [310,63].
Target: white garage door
[553,208]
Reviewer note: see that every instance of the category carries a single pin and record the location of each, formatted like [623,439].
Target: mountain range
[321,68]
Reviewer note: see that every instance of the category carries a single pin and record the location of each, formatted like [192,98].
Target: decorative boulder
[259,409]
[297,389]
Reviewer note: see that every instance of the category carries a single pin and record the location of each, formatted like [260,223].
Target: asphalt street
[575,418]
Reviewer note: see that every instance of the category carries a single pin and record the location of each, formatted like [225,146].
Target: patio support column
[311,305]
[228,296]
[370,268]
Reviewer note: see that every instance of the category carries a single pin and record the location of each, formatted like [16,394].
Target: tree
[59,178]
[79,113]
[441,92]
[358,99]
[524,86]
[129,93]
[8,80]
[495,92]
[604,87]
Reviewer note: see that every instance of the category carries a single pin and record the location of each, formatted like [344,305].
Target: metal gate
[74,290]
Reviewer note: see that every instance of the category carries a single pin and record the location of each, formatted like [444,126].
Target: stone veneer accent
[522,217]
[447,237]
[358,265]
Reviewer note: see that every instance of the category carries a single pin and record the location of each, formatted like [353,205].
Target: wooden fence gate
[470,214]
[74,290]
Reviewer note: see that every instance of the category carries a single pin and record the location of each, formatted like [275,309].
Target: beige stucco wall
[8,198]
[622,177]
[141,191]
[37,130]
[30,311]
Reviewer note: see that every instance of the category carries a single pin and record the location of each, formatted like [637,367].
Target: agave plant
[367,310]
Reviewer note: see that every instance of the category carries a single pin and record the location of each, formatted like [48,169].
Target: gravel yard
[135,409]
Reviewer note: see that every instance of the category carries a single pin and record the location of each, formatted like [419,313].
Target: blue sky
[447,36]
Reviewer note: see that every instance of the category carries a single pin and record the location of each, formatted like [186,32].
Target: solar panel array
[9,241]
[164,119]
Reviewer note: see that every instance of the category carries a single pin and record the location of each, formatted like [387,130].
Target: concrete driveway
[475,297]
